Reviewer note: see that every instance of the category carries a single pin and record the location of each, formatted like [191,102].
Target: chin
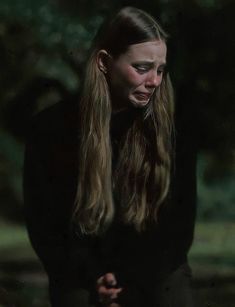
[139,104]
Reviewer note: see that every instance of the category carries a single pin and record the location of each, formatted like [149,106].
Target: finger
[115,293]
[109,293]
[103,291]
[100,281]
[118,290]
[110,279]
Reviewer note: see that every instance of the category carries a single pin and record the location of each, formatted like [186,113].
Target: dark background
[43,48]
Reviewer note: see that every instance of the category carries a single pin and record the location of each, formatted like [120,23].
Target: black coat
[140,261]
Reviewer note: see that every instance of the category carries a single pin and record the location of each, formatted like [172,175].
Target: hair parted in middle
[142,175]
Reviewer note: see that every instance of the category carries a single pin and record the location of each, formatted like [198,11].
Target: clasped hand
[107,291]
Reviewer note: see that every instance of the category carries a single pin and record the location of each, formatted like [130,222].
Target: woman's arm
[50,177]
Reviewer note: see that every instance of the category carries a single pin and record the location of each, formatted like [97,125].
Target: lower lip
[142,96]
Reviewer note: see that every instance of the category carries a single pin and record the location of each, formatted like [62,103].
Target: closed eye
[141,68]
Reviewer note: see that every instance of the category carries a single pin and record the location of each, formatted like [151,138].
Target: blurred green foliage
[213,247]
[43,47]
[216,192]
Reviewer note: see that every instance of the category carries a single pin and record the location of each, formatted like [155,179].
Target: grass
[15,244]
[212,258]
[213,249]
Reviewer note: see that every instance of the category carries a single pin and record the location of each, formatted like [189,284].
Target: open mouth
[143,96]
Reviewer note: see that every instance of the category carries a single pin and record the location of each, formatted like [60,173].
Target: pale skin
[135,74]
[106,290]
[132,77]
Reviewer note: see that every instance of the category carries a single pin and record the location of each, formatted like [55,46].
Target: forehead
[147,51]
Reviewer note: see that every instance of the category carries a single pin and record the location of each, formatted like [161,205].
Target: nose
[153,79]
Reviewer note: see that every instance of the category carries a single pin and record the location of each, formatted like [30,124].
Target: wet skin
[135,74]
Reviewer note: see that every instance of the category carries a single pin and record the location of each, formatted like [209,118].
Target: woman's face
[135,74]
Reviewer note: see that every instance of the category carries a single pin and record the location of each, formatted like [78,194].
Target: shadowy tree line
[43,50]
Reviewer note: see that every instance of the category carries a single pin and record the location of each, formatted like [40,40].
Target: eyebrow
[149,63]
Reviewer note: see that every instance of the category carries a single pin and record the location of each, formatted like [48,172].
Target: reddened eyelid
[141,68]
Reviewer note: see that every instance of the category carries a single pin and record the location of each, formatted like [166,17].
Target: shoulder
[56,122]
[52,143]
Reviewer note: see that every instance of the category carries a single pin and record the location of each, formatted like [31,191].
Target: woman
[110,225]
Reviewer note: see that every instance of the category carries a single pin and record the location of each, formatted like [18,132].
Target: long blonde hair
[141,178]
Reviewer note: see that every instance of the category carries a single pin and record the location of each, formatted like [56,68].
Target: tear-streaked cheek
[134,79]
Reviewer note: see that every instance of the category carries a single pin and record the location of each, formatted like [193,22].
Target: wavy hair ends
[142,175]
[94,203]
